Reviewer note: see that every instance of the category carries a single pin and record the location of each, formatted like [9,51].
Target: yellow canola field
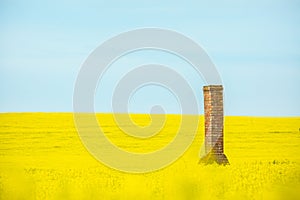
[42,157]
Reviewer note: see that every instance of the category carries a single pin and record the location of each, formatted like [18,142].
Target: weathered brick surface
[214,122]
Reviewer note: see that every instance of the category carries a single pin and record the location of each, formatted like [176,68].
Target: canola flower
[42,157]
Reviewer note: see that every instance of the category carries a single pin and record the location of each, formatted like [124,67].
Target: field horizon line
[135,113]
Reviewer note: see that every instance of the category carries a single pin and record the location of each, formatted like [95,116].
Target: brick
[214,122]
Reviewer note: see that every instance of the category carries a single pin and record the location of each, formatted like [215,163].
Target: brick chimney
[214,123]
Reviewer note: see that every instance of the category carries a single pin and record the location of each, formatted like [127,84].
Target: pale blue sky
[255,46]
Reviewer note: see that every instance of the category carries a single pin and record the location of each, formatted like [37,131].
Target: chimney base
[219,158]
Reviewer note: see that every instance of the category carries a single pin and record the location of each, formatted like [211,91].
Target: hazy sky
[255,46]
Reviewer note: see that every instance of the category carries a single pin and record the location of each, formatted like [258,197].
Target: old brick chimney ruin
[214,123]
